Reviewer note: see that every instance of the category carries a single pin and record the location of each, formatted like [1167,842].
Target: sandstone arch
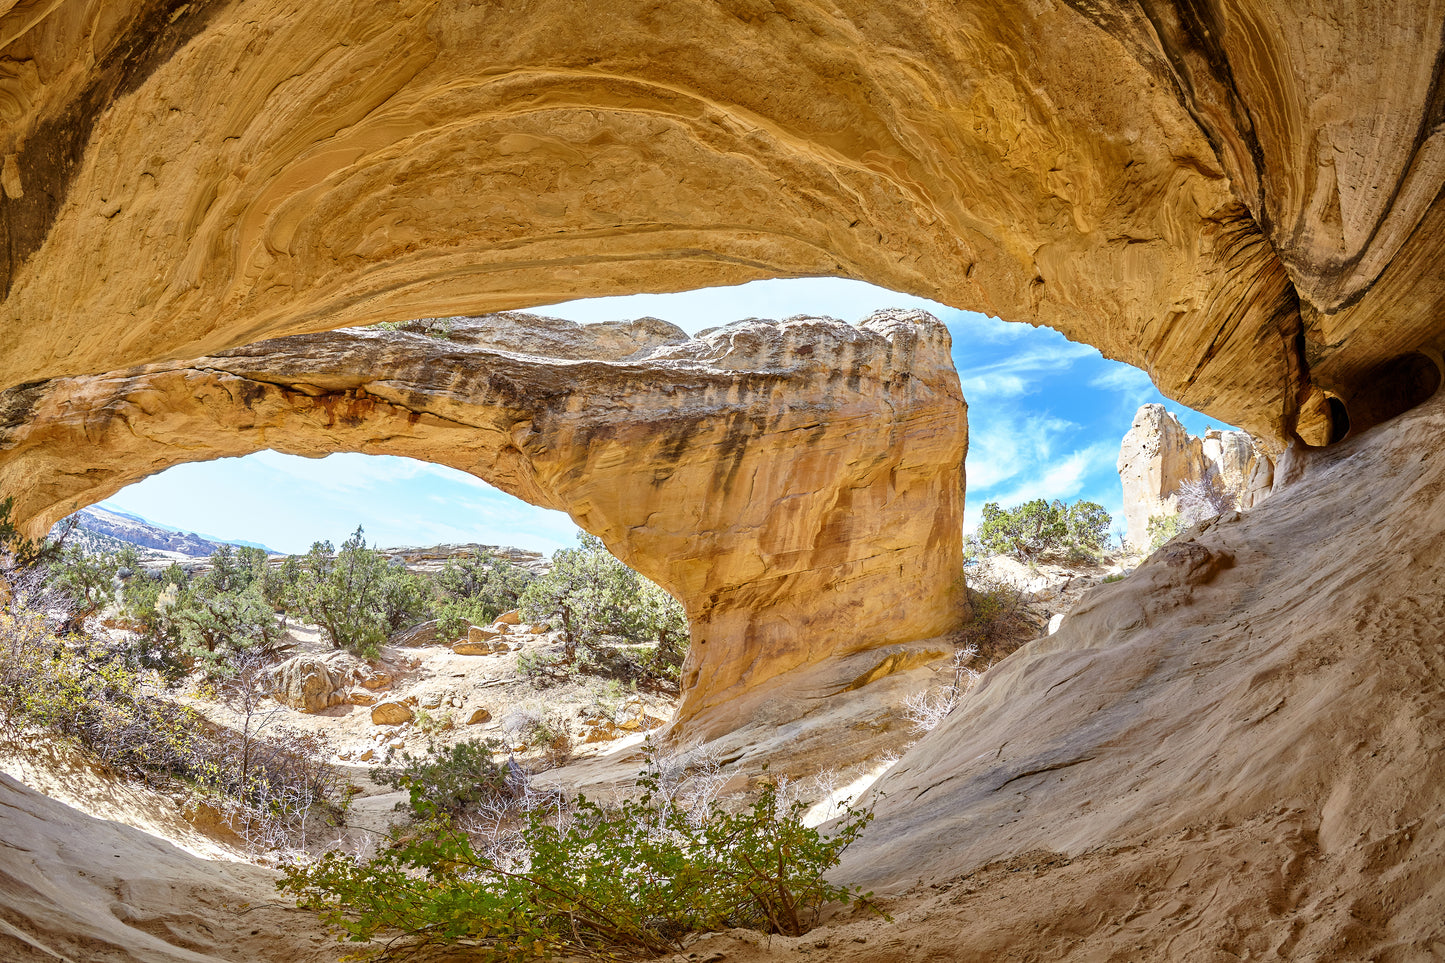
[1244,200]
[797,485]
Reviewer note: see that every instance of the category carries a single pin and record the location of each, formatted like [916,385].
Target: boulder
[312,683]
[417,635]
[472,648]
[480,633]
[378,679]
[391,713]
[479,716]
[509,618]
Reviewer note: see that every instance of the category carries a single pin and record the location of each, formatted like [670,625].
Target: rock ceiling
[1241,198]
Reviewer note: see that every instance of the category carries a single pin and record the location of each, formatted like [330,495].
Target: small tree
[1039,528]
[342,591]
[475,589]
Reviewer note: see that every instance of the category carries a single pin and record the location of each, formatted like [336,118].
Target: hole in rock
[1394,388]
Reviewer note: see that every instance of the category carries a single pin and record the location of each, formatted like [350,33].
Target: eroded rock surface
[1243,198]
[1159,455]
[797,485]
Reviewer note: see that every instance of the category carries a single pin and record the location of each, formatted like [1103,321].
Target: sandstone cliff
[797,485]
[1158,456]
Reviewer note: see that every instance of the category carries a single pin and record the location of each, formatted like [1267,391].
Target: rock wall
[1243,199]
[1158,456]
[797,485]
[1239,746]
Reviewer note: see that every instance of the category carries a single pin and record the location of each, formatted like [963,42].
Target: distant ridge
[106,529]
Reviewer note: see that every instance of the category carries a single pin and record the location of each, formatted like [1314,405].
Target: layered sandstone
[1159,456]
[1243,199]
[797,485]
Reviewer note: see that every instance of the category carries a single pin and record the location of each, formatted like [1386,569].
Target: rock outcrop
[1240,742]
[797,485]
[1244,199]
[312,683]
[1159,456]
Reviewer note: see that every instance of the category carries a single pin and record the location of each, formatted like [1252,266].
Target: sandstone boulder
[473,648]
[479,716]
[509,618]
[312,683]
[477,634]
[417,635]
[391,713]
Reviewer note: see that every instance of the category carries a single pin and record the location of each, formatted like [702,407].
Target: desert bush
[475,589]
[631,879]
[597,602]
[450,781]
[1000,621]
[1162,528]
[351,594]
[1040,528]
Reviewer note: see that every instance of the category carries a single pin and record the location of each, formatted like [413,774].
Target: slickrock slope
[1242,743]
[797,485]
[77,888]
[1158,455]
[1244,199]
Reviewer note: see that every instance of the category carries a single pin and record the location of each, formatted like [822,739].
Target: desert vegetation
[1043,529]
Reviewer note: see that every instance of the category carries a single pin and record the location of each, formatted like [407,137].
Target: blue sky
[1045,420]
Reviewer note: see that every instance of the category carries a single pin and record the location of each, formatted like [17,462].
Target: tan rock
[391,713]
[1158,456]
[479,633]
[500,646]
[360,697]
[510,618]
[378,679]
[473,648]
[479,716]
[606,732]
[417,635]
[312,683]
[367,755]
[776,477]
[1176,186]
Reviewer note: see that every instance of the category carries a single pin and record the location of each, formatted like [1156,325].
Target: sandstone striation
[1158,456]
[797,485]
[1243,199]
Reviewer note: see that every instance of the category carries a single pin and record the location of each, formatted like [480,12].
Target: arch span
[797,485]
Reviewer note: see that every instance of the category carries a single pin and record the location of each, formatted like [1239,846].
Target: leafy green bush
[1162,528]
[450,781]
[632,879]
[356,594]
[475,589]
[1040,528]
[597,601]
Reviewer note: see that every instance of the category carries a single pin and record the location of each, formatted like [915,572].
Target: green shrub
[635,879]
[475,589]
[1162,528]
[356,595]
[597,602]
[450,781]
[1040,528]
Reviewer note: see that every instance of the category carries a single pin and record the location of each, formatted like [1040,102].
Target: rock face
[1266,692]
[797,485]
[1158,455]
[1243,198]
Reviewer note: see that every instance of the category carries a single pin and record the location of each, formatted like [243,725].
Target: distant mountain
[105,529]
